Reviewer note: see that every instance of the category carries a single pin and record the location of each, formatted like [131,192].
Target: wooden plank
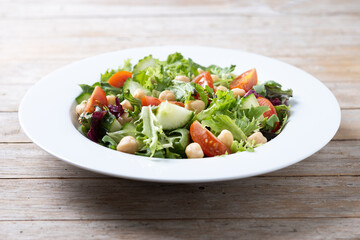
[188,8]
[10,130]
[314,37]
[279,229]
[106,199]
[11,95]
[96,27]
[336,158]
[29,161]
[345,92]
[349,127]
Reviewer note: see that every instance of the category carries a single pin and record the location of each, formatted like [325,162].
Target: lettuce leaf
[180,138]
[182,90]
[220,105]
[273,90]
[155,138]
[109,142]
[225,74]
[131,99]
[283,113]
[221,122]
[201,91]
[241,146]
[173,58]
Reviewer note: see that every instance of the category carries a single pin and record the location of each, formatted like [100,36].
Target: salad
[180,109]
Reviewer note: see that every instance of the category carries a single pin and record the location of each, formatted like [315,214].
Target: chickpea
[200,70]
[193,150]
[226,138]
[127,144]
[196,106]
[111,99]
[126,105]
[215,78]
[221,88]
[124,118]
[167,95]
[139,94]
[79,109]
[182,78]
[238,92]
[257,138]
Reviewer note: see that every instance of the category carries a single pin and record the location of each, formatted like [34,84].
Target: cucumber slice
[249,101]
[171,116]
[82,97]
[127,130]
[148,61]
[114,126]
[131,85]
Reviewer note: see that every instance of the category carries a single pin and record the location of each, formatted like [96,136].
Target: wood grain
[338,158]
[277,229]
[259,197]
[53,38]
[185,8]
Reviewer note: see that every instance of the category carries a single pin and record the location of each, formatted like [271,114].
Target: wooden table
[44,198]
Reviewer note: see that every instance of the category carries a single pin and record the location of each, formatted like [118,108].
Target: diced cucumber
[83,96]
[249,101]
[130,128]
[131,85]
[127,130]
[172,116]
[144,63]
[115,126]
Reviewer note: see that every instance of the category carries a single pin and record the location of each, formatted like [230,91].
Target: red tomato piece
[265,102]
[176,103]
[119,78]
[97,98]
[150,101]
[245,81]
[209,143]
[204,79]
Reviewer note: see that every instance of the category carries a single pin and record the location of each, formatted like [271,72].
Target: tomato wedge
[97,98]
[245,81]
[265,102]
[176,103]
[150,101]
[209,143]
[119,78]
[153,101]
[204,79]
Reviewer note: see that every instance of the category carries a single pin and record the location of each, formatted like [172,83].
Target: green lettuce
[220,105]
[220,122]
[182,90]
[272,89]
[154,137]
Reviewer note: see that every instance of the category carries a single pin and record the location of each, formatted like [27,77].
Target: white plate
[47,113]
